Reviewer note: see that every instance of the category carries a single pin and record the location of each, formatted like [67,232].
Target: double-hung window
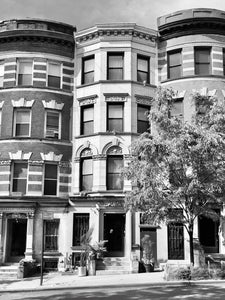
[0,122]
[87,119]
[115,66]
[25,71]
[115,117]
[143,69]
[53,124]
[22,121]
[54,75]
[80,227]
[1,73]
[174,59]
[50,179]
[88,70]
[51,234]
[224,62]
[142,118]
[177,109]
[114,168]
[202,61]
[86,174]
[19,182]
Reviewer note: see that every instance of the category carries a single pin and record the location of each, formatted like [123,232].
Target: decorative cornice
[87,100]
[145,100]
[51,156]
[205,92]
[117,31]
[52,105]
[20,155]
[116,97]
[22,103]
[99,157]
[5,162]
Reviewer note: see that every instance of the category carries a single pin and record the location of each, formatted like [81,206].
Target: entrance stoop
[9,271]
[113,266]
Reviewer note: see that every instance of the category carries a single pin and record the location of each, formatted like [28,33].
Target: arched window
[86,170]
[115,164]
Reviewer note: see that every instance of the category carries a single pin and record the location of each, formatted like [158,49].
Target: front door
[208,234]
[114,232]
[17,232]
[151,232]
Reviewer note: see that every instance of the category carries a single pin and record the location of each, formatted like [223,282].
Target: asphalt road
[204,291]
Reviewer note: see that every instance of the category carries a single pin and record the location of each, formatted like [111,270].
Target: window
[52,124]
[142,118]
[54,75]
[88,70]
[25,72]
[174,64]
[51,233]
[87,119]
[86,174]
[202,61]
[22,122]
[1,73]
[114,167]
[143,69]
[19,183]
[224,62]
[50,180]
[175,241]
[115,66]
[177,109]
[80,227]
[115,117]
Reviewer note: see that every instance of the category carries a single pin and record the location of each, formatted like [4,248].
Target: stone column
[1,238]
[29,241]
[128,234]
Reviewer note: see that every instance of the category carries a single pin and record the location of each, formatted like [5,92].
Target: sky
[87,13]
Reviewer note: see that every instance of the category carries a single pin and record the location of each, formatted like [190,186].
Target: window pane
[87,166]
[25,67]
[88,65]
[54,81]
[143,64]
[115,74]
[115,124]
[20,170]
[143,113]
[202,55]
[51,235]
[177,108]
[22,130]
[88,127]
[141,76]
[88,113]
[50,187]
[115,164]
[52,120]
[87,182]
[20,177]
[115,61]
[202,69]
[114,182]
[89,77]
[143,126]
[24,79]
[51,171]
[54,69]
[19,185]
[115,111]
[175,72]
[80,227]
[174,59]
[22,116]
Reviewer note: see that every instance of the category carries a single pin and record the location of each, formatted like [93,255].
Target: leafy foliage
[180,165]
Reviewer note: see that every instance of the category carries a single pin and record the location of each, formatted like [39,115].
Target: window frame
[56,236]
[118,157]
[198,63]
[19,61]
[181,115]
[50,62]
[147,59]
[84,60]
[3,73]
[46,179]
[223,61]
[82,176]
[110,54]
[20,109]
[22,162]
[86,216]
[148,108]
[59,123]
[82,122]
[0,121]
[178,64]
[108,119]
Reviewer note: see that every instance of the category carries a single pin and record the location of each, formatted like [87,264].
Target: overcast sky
[86,13]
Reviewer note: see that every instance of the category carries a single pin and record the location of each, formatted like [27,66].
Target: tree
[178,170]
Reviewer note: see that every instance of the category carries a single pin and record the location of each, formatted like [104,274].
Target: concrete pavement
[53,281]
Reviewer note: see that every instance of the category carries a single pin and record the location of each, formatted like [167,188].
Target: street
[200,291]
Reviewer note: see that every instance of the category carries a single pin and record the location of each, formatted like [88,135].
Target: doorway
[208,234]
[16,237]
[114,233]
[151,232]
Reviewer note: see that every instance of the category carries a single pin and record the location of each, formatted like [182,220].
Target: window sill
[193,76]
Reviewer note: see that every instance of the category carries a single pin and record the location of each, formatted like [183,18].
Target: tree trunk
[190,232]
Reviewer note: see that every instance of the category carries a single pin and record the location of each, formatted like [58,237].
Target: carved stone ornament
[36,162]
[144,100]
[87,100]
[99,157]
[112,204]
[86,152]
[52,105]
[22,103]
[115,98]
[65,164]
[17,216]
[5,162]
[114,150]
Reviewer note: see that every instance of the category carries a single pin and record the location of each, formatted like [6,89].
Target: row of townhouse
[71,103]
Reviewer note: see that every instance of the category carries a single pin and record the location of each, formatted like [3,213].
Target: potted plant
[148,256]
[85,249]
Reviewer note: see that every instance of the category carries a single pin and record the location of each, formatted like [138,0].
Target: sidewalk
[62,280]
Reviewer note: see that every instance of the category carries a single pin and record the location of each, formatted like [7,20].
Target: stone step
[112,272]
